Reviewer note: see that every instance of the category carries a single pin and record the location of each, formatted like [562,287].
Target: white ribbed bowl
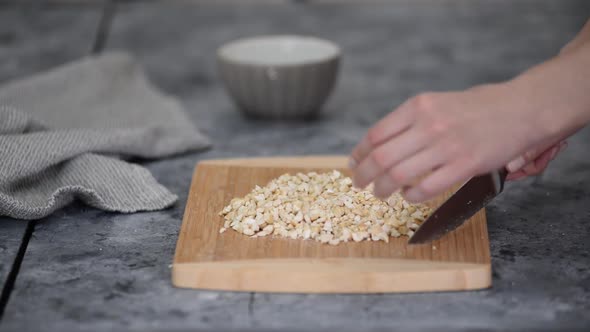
[279,76]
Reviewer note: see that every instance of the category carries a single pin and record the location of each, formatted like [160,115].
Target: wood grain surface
[207,259]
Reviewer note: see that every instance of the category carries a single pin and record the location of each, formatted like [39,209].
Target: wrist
[556,94]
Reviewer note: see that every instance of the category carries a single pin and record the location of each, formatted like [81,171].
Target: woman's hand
[436,140]
[444,138]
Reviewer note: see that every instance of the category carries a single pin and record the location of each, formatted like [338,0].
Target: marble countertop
[87,269]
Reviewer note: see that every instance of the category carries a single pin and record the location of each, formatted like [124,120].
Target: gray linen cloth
[65,134]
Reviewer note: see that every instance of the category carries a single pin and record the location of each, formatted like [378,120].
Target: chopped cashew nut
[323,207]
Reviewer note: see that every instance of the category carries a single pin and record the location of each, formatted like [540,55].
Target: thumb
[519,162]
[529,157]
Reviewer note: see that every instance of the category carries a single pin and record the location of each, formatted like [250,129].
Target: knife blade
[464,203]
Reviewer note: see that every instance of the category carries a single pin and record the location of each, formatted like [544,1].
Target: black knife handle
[502,174]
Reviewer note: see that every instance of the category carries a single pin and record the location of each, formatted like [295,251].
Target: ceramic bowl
[279,76]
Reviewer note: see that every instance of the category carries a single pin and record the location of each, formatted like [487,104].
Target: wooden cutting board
[206,259]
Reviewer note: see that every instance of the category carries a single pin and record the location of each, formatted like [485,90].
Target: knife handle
[500,178]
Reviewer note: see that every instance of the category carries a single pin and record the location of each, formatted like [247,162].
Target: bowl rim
[335,56]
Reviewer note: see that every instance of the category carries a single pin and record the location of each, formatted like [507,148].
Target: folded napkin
[65,134]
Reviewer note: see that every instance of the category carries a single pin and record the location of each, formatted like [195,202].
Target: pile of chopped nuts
[323,207]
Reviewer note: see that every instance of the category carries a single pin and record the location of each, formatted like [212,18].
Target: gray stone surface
[32,39]
[92,270]
[11,235]
[36,37]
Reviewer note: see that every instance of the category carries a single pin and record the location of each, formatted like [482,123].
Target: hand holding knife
[462,205]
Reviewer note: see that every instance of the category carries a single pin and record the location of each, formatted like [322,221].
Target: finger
[384,186]
[406,172]
[516,176]
[359,152]
[393,124]
[539,164]
[533,154]
[388,154]
[522,160]
[531,169]
[536,166]
[439,181]
[366,172]
[544,159]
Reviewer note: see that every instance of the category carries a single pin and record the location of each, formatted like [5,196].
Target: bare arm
[444,138]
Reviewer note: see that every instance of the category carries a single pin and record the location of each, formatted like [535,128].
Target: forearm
[557,92]
[582,38]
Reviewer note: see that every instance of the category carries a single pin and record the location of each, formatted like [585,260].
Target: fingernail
[352,163]
[516,164]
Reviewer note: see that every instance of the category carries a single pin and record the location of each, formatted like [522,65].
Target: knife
[464,203]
